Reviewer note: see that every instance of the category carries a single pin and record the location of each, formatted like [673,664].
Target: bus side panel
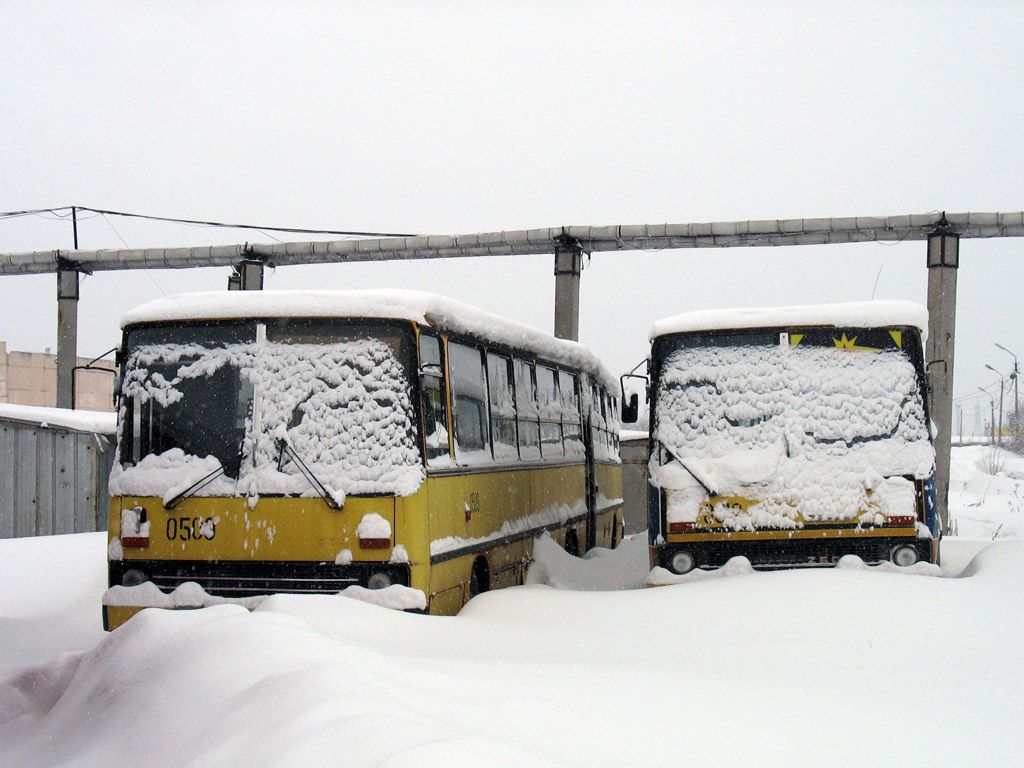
[495,515]
[562,490]
[609,504]
[466,512]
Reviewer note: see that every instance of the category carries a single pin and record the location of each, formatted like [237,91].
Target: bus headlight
[682,562]
[379,580]
[905,555]
[133,577]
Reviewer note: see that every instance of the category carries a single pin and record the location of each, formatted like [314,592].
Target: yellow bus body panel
[275,529]
[484,511]
[710,528]
[848,532]
[469,515]
[609,519]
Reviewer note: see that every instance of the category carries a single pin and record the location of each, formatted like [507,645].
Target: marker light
[682,562]
[134,527]
[680,527]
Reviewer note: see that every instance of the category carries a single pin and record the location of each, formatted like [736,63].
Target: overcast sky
[472,117]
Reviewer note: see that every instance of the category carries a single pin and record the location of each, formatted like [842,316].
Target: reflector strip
[135,541]
[901,520]
[374,543]
[680,527]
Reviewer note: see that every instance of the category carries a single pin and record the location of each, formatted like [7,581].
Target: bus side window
[612,420]
[526,411]
[503,407]
[550,413]
[469,404]
[600,424]
[571,430]
[435,413]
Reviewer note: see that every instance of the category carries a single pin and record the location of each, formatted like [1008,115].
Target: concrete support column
[943,261]
[247,276]
[568,265]
[67,335]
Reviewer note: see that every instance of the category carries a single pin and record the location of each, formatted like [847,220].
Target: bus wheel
[616,533]
[572,543]
[479,578]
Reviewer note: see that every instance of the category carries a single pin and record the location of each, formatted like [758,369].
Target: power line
[293,230]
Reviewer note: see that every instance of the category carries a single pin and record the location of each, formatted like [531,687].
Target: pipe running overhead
[591,239]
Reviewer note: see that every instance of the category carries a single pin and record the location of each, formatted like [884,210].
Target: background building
[30,378]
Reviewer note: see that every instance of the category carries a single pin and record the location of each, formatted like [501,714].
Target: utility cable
[293,230]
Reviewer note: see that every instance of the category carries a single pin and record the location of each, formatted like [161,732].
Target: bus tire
[479,578]
[616,532]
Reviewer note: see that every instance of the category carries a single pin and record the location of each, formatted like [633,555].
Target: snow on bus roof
[859,314]
[416,306]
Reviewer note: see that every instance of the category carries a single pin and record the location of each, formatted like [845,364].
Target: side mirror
[433,370]
[631,404]
[631,410]
[118,381]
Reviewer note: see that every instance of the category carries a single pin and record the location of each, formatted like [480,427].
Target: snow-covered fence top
[416,306]
[96,422]
[859,314]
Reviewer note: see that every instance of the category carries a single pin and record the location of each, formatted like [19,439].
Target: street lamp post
[1016,392]
[1001,378]
[992,420]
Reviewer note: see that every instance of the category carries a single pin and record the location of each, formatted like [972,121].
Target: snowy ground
[846,666]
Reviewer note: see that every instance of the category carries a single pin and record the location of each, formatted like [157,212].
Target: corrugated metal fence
[53,479]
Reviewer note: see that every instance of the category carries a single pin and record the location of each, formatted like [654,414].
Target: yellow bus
[791,436]
[399,445]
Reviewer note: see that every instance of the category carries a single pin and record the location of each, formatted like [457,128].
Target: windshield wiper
[194,488]
[283,447]
[682,463]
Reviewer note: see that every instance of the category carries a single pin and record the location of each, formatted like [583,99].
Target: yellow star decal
[847,343]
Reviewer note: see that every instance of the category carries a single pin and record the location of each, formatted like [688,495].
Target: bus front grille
[252,579]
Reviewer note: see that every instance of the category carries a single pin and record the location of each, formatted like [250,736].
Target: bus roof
[416,306]
[861,314]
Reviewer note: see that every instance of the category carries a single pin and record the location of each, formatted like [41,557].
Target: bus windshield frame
[721,422]
[266,401]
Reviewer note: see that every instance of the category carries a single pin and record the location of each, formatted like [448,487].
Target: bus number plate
[191,528]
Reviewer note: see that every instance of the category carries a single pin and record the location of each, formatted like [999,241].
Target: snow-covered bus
[396,445]
[791,436]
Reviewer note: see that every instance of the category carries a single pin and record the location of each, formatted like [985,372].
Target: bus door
[591,470]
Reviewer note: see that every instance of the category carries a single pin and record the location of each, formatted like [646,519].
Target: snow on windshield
[342,409]
[814,428]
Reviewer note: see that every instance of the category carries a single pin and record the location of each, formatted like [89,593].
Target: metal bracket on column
[247,275]
[568,256]
[67,331]
[944,246]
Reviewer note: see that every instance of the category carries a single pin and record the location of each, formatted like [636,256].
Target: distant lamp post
[1015,376]
[992,420]
[1001,377]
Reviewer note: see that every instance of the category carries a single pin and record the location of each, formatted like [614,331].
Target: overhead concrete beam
[776,232]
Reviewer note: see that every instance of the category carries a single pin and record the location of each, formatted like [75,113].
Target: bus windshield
[276,407]
[783,411]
